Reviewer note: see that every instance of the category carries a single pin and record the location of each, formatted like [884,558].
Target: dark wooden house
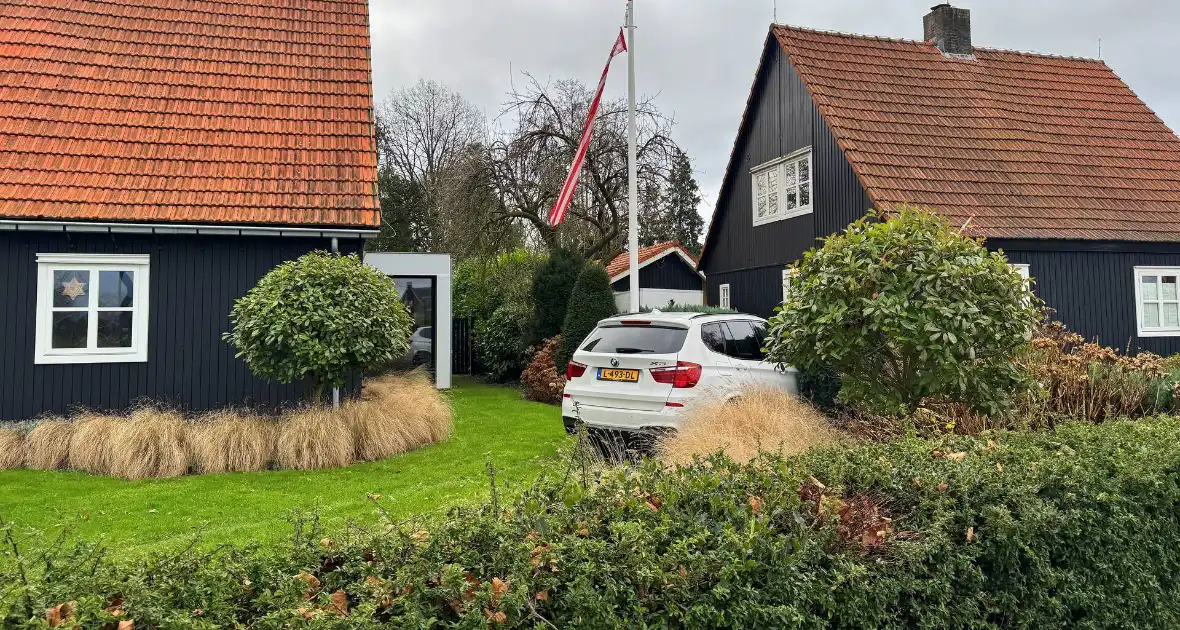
[1054,160]
[156,160]
[667,275]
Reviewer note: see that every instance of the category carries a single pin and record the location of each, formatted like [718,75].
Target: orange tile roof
[196,111]
[1022,145]
[622,262]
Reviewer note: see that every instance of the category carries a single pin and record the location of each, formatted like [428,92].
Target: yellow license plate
[625,376]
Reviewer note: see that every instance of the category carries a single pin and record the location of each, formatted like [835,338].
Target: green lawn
[133,517]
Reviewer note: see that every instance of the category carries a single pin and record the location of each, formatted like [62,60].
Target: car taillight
[683,376]
[574,370]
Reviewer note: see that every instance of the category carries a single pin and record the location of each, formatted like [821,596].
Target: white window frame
[1156,331]
[775,171]
[789,275]
[723,296]
[47,264]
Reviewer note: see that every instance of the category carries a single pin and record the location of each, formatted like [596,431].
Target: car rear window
[636,340]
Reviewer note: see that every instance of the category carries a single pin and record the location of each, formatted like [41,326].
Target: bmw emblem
[614,363]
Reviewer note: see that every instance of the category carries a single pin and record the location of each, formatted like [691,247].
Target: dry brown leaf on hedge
[340,603]
[957,457]
[499,588]
[755,505]
[543,596]
[942,487]
[59,614]
[126,624]
[970,534]
[495,617]
[312,582]
[115,609]
[328,543]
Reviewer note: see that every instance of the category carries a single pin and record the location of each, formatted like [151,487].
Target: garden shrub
[541,381]
[497,296]
[552,285]
[321,317]
[1075,379]
[820,386]
[1077,528]
[905,308]
[592,301]
[12,448]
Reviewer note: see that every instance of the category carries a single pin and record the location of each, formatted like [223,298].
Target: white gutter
[179,228]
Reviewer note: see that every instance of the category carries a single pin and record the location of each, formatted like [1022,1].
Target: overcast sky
[699,56]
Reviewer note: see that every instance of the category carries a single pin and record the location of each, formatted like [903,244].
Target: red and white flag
[557,214]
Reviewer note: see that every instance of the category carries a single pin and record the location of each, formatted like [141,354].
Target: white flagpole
[632,169]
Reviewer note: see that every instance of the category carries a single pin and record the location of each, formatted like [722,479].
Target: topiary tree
[906,308]
[320,317]
[553,283]
[592,300]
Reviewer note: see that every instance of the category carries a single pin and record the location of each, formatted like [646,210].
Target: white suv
[638,372]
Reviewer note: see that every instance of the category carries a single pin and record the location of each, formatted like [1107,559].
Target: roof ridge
[904,40]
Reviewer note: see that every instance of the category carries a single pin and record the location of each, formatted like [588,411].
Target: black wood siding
[669,272]
[782,118]
[194,282]
[1092,286]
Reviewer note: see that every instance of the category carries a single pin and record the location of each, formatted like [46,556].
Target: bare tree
[530,157]
[425,134]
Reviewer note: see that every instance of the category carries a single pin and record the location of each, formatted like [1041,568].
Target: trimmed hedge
[1078,528]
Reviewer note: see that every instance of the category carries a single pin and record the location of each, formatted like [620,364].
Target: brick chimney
[949,28]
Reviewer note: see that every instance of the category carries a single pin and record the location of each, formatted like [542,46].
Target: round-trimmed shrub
[321,317]
[905,308]
[591,302]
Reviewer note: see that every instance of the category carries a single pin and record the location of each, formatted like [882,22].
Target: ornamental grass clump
[47,447]
[225,441]
[762,420]
[93,444]
[12,448]
[150,444]
[313,438]
[397,414]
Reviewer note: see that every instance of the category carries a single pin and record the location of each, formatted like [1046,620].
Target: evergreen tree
[403,215]
[682,200]
[553,283]
[591,301]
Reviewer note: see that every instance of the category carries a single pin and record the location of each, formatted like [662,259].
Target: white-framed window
[1157,301]
[1021,269]
[788,282]
[723,296]
[782,188]
[92,308]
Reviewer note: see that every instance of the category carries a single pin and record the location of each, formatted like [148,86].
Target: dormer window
[782,188]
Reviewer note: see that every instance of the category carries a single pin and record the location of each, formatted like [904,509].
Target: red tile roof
[622,262]
[198,111]
[1022,145]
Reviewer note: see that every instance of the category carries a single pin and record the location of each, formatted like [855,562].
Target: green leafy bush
[497,296]
[591,301]
[552,285]
[1078,528]
[907,308]
[321,317]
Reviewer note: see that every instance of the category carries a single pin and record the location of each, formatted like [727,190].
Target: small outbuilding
[667,275]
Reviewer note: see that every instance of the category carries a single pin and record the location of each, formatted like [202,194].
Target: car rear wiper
[631,351]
